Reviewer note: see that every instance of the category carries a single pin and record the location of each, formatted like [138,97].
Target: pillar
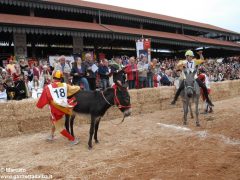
[77,45]
[20,44]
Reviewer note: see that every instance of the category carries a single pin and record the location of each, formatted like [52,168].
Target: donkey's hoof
[184,123]
[89,148]
[198,125]
[96,141]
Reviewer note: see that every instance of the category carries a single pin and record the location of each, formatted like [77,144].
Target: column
[20,44]
[77,45]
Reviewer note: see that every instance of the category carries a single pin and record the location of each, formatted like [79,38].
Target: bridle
[116,100]
[188,87]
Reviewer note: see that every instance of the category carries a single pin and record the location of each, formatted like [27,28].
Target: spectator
[117,69]
[23,65]
[64,68]
[17,73]
[104,73]
[11,67]
[4,76]
[45,77]
[142,71]
[165,79]
[132,73]
[3,93]
[21,88]
[36,69]
[12,91]
[152,70]
[78,72]
[91,69]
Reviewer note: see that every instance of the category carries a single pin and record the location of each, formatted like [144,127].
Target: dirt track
[148,146]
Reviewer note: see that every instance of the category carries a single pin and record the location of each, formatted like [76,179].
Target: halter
[188,87]
[116,100]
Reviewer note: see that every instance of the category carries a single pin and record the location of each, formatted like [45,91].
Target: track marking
[202,134]
[175,127]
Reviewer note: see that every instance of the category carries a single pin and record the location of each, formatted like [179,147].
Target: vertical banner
[144,46]
[147,47]
[20,45]
[139,46]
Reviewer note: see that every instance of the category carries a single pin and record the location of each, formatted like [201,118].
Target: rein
[116,103]
[116,100]
[107,100]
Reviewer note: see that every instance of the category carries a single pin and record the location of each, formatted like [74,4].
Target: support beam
[77,45]
[20,45]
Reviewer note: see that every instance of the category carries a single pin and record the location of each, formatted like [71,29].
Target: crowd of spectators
[20,79]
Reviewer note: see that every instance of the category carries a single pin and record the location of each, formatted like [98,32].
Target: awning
[37,25]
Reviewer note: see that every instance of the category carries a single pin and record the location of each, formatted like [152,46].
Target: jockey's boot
[209,101]
[205,91]
[211,110]
[181,87]
[173,102]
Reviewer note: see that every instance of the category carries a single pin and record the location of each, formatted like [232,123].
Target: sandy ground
[147,146]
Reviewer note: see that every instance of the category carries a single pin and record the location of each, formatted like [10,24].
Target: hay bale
[136,109]
[167,92]
[151,95]
[8,126]
[220,90]
[133,96]
[234,88]
[140,96]
[6,108]
[30,126]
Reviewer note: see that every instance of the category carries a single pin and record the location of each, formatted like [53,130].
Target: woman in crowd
[45,77]
[78,72]
[21,87]
[36,87]
[17,73]
[132,73]
[3,93]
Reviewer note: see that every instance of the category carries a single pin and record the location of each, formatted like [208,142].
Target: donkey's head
[189,82]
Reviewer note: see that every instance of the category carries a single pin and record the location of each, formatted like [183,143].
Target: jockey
[204,78]
[190,65]
[55,95]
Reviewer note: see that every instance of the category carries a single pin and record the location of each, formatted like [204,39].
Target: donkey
[190,93]
[96,103]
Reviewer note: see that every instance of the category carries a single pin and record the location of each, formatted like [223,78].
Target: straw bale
[27,126]
[21,117]
[234,88]
[151,95]
[140,96]
[167,92]
[133,95]
[9,130]
[136,109]
[6,108]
